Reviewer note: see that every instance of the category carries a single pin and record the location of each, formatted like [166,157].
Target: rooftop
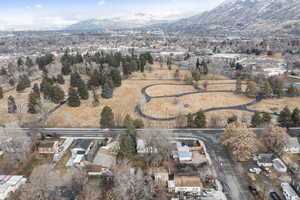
[187,181]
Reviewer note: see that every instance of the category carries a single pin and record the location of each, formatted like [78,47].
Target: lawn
[124,101]
[171,107]
[163,90]
[276,105]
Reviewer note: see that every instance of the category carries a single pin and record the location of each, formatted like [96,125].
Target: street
[227,170]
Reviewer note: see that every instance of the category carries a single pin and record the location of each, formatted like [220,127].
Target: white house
[275,71]
[79,152]
[288,192]
[142,148]
[264,159]
[10,184]
[294,147]
[279,165]
[185,184]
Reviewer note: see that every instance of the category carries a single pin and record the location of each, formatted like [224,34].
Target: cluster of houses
[291,179]
[251,64]
[10,184]
[186,153]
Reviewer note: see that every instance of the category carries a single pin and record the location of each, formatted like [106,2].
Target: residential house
[185,184]
[79,152]
[10,184]
[183,153]
[47,147]
[294,147]
[279,165]
[143,149]
[264,159]
[160,175]
[288,192]
[296,182]
[105,159]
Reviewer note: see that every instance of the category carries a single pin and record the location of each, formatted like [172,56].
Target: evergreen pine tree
[251,89]
[26,81]
[296,117]
[190,120]
[29,63]
[33,103]
[66,69]
[107,89]
[21,86]
[116,77]
[238,86]
[73,100]
[107,118]
[60,79]
[75,80]
[95,98]
[284,118]
[232,119]
[57,94]
[293,91]
[11,105]
[20,62]
[138,123]
[36,90]
[128,122]
[256,120]
[83,91]
[266,118]
[1,93]
[200,119]
[278,87]
[265,90]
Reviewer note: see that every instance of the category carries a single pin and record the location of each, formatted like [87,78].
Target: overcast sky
[39,14]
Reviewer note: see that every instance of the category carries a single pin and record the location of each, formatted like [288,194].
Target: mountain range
[245,16]
[137,20]
[230,17]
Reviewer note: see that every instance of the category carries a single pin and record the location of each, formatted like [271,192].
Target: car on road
[255,170]
[274,196]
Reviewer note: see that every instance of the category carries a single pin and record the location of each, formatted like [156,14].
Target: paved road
[148,98]
[227,170]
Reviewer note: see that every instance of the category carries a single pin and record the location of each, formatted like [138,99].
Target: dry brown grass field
[276,105]
[21,99]
[123,102]
[163,90]
[171,107]
[129,95]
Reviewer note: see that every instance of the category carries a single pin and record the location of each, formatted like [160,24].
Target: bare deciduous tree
[276,138]
[129,184]
[216,122]
[158,141]
[45,178]
[14,142]
[240,140]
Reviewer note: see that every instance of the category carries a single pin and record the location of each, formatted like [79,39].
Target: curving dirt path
[148,98]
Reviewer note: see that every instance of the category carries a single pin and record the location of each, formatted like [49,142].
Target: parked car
[274,196]
[255,170]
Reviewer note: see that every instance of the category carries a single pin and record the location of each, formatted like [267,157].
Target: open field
[129,95]
[163,90]
[276,105]
[172,107]
[123,102]
[156,72]
[21,100]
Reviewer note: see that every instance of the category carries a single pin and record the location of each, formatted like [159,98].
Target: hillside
[246,17]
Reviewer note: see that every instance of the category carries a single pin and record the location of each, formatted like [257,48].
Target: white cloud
[38,6]
[101,2]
